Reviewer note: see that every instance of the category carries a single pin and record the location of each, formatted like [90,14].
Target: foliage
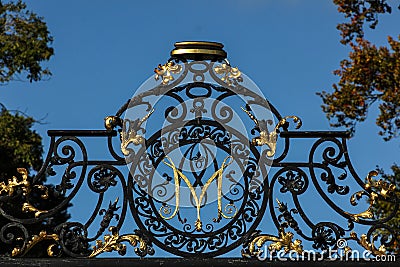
[24,43]
[359,12]
[370,74]
[20,147]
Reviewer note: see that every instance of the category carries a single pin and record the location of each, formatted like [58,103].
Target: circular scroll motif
[196,180]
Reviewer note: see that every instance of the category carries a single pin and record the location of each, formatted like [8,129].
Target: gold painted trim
[185,51]
[267,138]
[231,75]
[13,183]
[199,43]
[165,72]
[385,189]
[110,122]
[113,243]
[27,207]
[198,50]
[36,239]
[131,135]
[26,186]
[284,241]
[367,245]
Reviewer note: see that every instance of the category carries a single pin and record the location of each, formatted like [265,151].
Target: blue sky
[104,50]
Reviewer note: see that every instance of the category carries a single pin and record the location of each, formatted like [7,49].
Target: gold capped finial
[198,50]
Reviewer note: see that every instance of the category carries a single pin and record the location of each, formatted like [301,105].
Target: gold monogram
[178,175]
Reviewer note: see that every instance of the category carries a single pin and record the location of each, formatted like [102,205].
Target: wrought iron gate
[199,163]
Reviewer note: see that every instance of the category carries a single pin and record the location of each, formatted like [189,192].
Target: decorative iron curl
[17,238]
[73,239]
[386,235]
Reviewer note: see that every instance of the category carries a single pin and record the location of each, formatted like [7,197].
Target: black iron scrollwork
[230,177]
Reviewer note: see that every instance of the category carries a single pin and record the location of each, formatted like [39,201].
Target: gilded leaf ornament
[165,72]
[10,187]
[230,75]
[363,241]
[129,133]
[110,122]
[12,184]
[270,138]
[36,239]
[114,241]
[284,241]
[383,187]
[27,207]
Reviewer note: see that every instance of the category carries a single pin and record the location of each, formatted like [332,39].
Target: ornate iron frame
[328,164]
